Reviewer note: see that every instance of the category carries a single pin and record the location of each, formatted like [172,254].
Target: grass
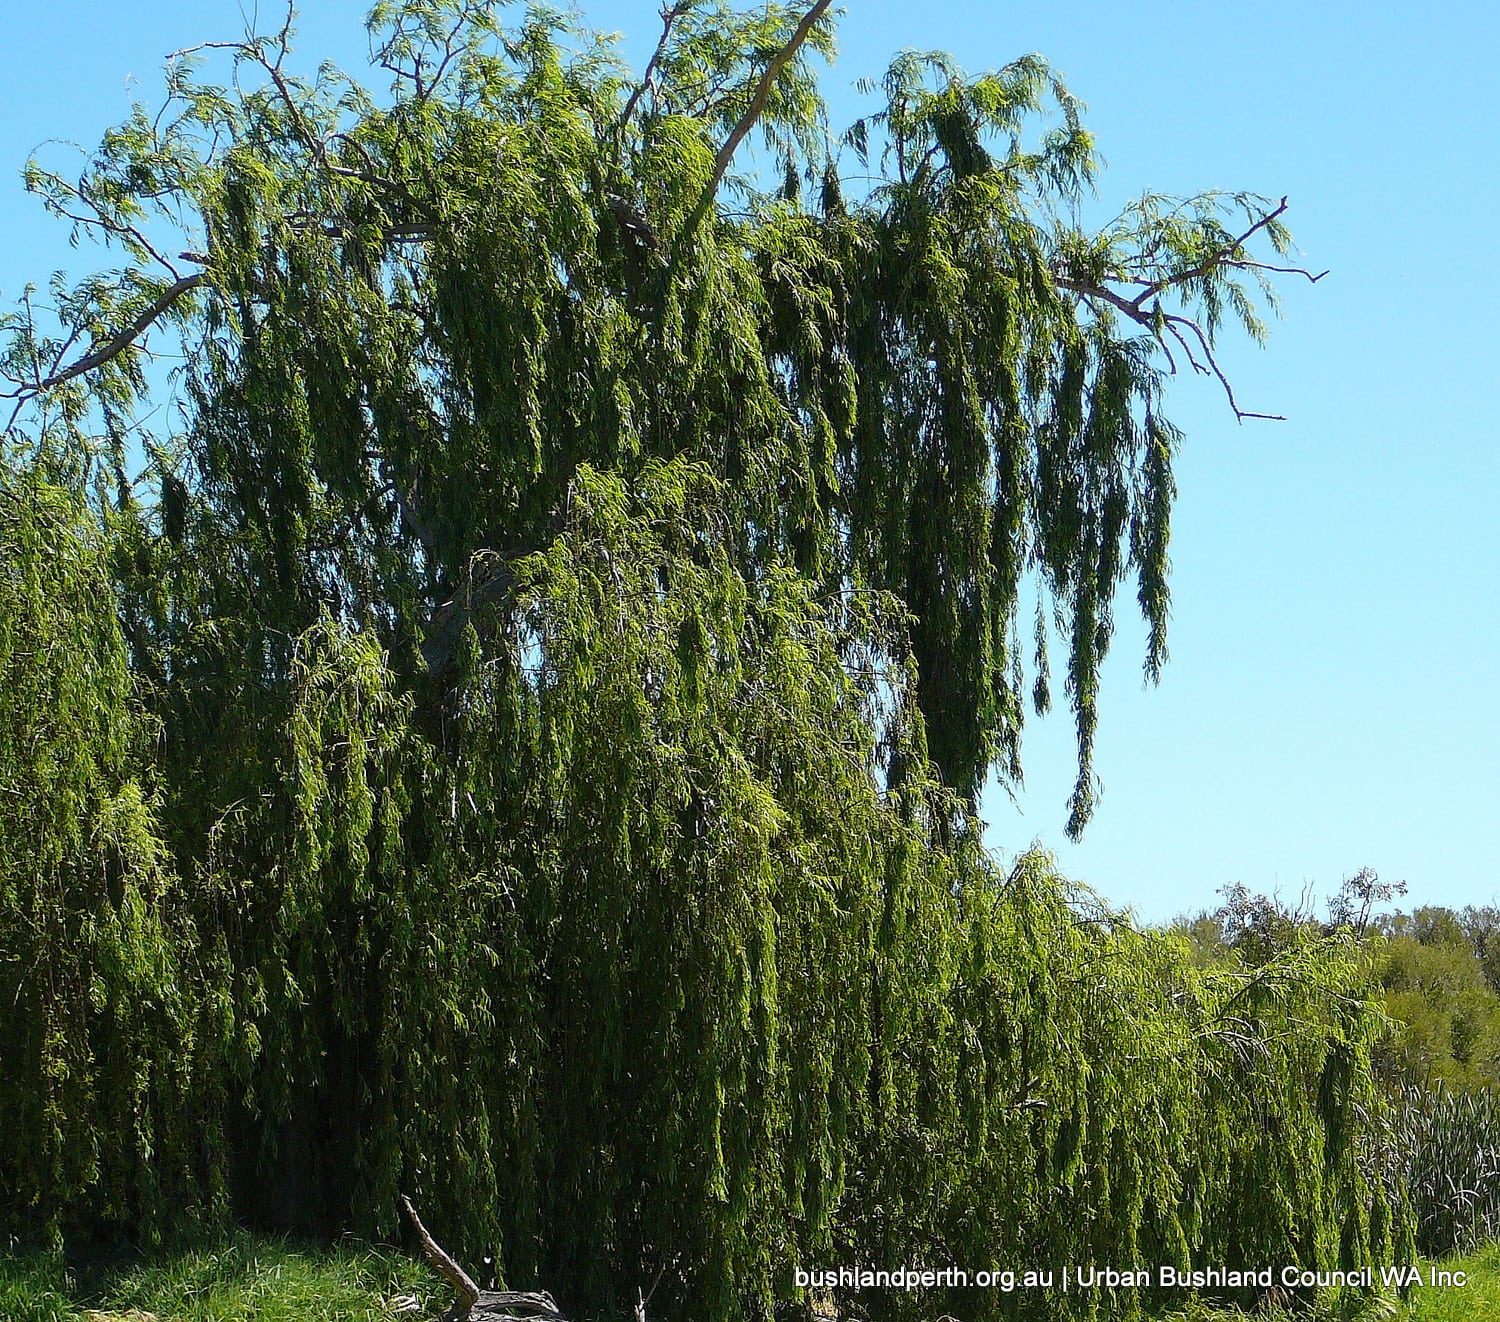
[242,1280]
[247,1279]
[1479,1298]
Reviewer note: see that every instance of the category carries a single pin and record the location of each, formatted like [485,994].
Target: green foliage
[520,751]
[1439,1060]
[1430,967]
[1119,1128]
[1447,1012]
[101,1035]
[34,1288]
[1479,1296]
[496,271]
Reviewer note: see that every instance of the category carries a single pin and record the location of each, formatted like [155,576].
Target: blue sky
[1330,702]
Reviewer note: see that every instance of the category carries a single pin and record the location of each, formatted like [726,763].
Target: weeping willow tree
[517,741]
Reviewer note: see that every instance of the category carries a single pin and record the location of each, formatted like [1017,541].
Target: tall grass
[242,1280]
[35,1288]
[1477,1299]
[1446,1148]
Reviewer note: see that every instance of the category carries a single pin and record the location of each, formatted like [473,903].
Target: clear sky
[1330,701]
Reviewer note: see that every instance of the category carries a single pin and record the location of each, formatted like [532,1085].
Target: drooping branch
[1158,322]
[741,130]
[1211,364]
[54,187]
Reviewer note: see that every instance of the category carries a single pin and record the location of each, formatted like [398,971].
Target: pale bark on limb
[474,1304]
[1162,323]
[122,339]
[741,130]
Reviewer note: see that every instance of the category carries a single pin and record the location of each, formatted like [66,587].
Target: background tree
[1428,967]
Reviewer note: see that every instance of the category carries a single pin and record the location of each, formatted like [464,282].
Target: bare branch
[302,128]
[1156,321]
[122,339]
[468,1292]
[482,1305]
[669,15]
[1213,365]
[99,219]
[779,61]
[1164,324]
[1186,348]
[1213,260]
[252,51]
[1279,270]
[1130,307]
[1171,358]
[185,51]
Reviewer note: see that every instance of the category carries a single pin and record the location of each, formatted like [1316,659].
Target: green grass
[1380,1309]
[246,1279]
[242,1280]
[1479,1298]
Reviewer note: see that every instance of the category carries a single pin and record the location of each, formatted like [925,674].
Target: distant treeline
[1436,972]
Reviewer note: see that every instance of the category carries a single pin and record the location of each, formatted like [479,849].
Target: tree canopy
[516,742]
[412,316]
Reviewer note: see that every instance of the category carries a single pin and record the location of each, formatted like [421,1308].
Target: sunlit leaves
[573,615]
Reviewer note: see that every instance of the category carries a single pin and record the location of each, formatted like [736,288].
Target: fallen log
[474,1304]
